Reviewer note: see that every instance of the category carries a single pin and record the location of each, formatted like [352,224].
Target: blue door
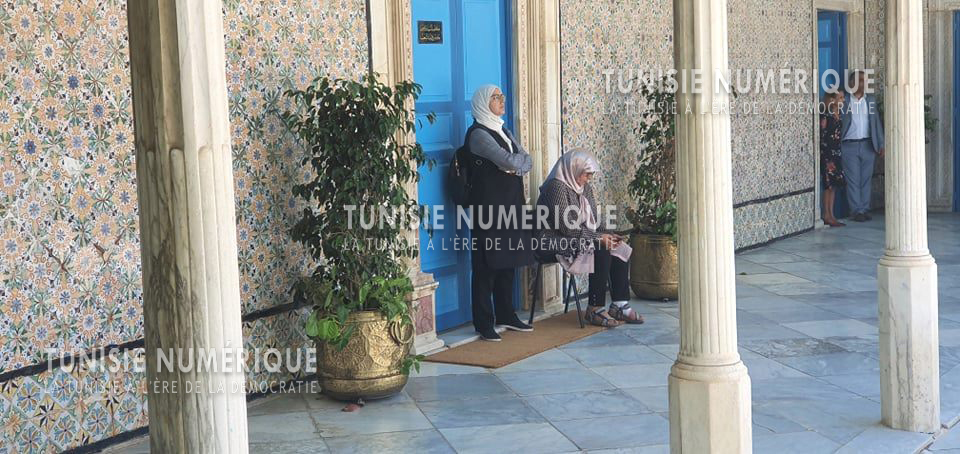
[458,45]
[832,54]
[956,111]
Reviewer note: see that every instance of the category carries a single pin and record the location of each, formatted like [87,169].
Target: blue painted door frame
[832,54]
[956,111]
[470,47]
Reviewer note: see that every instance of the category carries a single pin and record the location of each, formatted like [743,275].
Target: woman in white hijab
[496,184]
[585,248]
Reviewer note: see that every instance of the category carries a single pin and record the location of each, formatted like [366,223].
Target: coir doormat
[547,334]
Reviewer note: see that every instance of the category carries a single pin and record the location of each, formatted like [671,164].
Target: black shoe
[867,216]
[859,217]
[489,335]
[516,325]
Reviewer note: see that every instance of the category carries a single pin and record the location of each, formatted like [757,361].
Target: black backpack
[459,174]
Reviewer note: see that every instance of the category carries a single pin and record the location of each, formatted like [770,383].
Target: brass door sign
[430,32]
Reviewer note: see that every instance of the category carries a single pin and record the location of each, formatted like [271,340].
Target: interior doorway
[458,45]
[832,55]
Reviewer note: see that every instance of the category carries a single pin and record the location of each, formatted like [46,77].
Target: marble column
[907,273]
[708,384]
[187,225]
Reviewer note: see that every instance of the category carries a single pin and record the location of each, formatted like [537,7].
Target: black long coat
[494,190]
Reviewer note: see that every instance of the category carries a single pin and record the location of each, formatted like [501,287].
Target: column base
[909,343]
[710,409]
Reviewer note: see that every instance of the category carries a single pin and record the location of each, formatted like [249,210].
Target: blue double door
[458,45]
[832,55]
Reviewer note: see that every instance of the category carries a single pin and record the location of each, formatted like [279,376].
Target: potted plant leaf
[359,163]
[654,269]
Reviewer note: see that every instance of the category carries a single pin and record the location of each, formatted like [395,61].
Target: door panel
[471,53]
[832,54]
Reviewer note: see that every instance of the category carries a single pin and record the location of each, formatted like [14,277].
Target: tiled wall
[772,153]
[605,35]
[69,252]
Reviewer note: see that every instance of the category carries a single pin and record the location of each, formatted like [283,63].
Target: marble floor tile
[868,344]
[866,385]
[948,440]
[745,267]
[809,288]
[801,313]
[290,447]
[772,422]
[765,369]
[767,331]
[280,403]
[833,364]
[478,412]
[317,401]
[446,387]
[513,438]
[650,449]
[550,359]
[613,356]
[428,369]
[804,346]
[807,442]
[370,419]
[648,429]
[585,405]
[534,382]
[790,389]
[276,427]
[668,350]
[419,441]
[839,420]
[766,256]
[883,439]
[636,376]
[654,334]
[604,338]
[655,398]
[768,302]
[833,328]
[950,337]
[770,279]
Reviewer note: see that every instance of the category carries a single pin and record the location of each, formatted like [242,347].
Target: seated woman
[572,234]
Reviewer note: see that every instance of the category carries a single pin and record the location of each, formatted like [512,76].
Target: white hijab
[483,115]
[568,168]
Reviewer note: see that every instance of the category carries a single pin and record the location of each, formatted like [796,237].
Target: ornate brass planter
[370,366]
[654,270]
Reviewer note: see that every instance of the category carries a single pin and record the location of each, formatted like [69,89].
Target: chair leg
[536,287]
[566,292]
[576,296]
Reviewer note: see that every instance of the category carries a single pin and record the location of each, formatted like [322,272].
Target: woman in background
[830,163]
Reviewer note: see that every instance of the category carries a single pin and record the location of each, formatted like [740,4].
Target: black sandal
[601,318]
[626,314]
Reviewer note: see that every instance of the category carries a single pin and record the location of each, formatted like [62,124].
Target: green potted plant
[359,161]
[654,269]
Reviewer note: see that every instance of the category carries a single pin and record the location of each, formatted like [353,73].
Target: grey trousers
[858,159]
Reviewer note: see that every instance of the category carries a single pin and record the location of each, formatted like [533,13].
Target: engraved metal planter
[370,366]
[654,269]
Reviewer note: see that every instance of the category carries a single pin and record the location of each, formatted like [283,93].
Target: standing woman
[830,158]
[497,169]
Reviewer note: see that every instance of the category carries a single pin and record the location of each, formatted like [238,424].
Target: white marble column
[187,225]
[907,273]
[709,386]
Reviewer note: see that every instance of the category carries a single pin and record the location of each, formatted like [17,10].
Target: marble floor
[807,319]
